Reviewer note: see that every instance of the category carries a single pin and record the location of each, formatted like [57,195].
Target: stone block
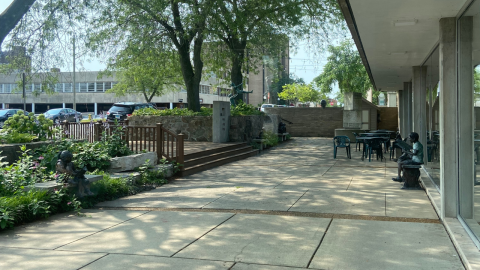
[352,119]
[129,163]
[221,121]
[353,101]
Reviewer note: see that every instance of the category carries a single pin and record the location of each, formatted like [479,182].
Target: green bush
[270,137]
[34,204]
[243,109]
[114,144]
[24,172]
[21,128]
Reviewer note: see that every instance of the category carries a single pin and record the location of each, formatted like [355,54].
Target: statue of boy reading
[71,175]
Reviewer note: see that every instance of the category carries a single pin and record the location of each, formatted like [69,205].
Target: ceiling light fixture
[405,22]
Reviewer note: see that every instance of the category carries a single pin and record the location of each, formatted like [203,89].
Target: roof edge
[352,26]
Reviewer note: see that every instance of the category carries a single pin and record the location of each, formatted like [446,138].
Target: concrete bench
[262,143]
[282,137]
[52,185]
[411,174]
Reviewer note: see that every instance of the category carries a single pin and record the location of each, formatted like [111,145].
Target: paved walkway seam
[203,235]
[148,211]
[94,261]
[297,200]
[277,213]
[321,240]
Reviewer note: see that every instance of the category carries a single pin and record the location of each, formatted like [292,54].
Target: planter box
[129,163]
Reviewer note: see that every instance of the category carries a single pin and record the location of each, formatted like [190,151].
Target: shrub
[270,137]
[25,172]
[114,144]
[244,109]
[34,204]
[22,128]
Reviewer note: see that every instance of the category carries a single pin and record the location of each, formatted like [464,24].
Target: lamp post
[74,101]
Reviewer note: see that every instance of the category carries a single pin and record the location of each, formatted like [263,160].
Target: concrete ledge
[52,185]
[129,163]
[282,136]
[262,143]
[461,239]
[167,168]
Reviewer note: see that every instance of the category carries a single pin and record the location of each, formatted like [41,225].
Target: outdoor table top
[377,134]
[382,131]
[370,138]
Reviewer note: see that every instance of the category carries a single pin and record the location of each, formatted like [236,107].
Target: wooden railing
[139,138]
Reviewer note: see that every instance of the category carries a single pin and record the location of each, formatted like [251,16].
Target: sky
[301,62]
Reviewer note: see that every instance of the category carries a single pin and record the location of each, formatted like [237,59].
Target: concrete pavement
[293,206]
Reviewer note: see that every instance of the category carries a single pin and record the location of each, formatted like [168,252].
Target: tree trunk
[190,78]
[12,15]
[236,76]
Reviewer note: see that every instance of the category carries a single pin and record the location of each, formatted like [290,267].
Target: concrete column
[407,96]
[401,109]
[466,121]
[448,118]
[33,107]
[221,121]
[392,99]
[63,105]
[95,108]
[3,106]
[171,105]
[419,91]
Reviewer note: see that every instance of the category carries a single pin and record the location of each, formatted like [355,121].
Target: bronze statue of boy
[72,175]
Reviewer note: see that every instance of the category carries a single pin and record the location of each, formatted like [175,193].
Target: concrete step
[217,162]
[227,147]
[204,159]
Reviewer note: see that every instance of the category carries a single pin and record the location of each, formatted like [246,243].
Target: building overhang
[393,36]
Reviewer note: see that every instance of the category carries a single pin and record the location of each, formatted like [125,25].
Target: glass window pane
[100,87]
[91,87]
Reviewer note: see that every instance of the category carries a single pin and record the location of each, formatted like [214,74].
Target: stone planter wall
[245,128]
[11,152]
[195,128]
[199,128]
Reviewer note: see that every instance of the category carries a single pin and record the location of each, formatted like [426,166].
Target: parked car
[121,110]
[59,115]
[262,109]
[282,106]
[7,113]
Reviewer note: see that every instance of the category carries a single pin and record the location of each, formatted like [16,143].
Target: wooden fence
[139,138]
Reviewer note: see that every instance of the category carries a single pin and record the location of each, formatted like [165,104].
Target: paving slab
[313,183]
[409,203]
[341,202]
[62,229]
[155,233]
[365,244]
[128,262]
[275,240]
[246,266]
[174,197]
[32,259]
[375,184]
[257,199]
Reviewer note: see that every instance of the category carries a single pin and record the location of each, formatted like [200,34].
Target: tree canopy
[300,92]
[344,66]
[150,72]
[247,30]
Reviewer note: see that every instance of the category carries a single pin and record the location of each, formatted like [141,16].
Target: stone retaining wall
[310,122]
[11,152]
[199,128]
[195,128]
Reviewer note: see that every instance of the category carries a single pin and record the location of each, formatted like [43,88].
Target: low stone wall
[245,128]
[195,128]
[11,152]
[310,122]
